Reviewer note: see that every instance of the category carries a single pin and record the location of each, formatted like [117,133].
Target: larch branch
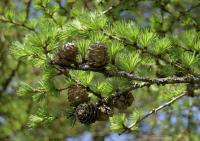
[153,111]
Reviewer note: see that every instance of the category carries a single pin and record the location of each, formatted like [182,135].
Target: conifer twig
[28,6]
[88,88]
[146,81]
[169,80]
[162,81]
[146,51]
[17,24]
[6,83]
[63,8]
[153,111]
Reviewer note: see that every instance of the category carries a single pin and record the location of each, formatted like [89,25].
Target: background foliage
[149,43]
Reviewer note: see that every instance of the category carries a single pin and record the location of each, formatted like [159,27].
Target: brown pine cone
[77,94]
[97,56]
[123,101]
[66,55]
[104,112]
[86,113]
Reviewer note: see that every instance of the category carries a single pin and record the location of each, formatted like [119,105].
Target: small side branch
[153,111]
[146,51]
[28,7]
[6,83]
[62,71]
[63,8]
[17,24]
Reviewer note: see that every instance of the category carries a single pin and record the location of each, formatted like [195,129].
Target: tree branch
[146,51]
[169,80]
[153,111]
[63,8]
[186,79]
[8,80]
[17,24]
[162,81]
[28,6]
[62,71]
[146,81]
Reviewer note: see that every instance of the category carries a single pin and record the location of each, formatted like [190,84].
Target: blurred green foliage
[153,39]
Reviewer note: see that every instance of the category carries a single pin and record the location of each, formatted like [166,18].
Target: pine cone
[86,113]
[66,55]
[104,112]
[123,101]
[77,94]
[97,56]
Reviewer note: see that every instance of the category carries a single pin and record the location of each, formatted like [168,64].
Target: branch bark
[159,81]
